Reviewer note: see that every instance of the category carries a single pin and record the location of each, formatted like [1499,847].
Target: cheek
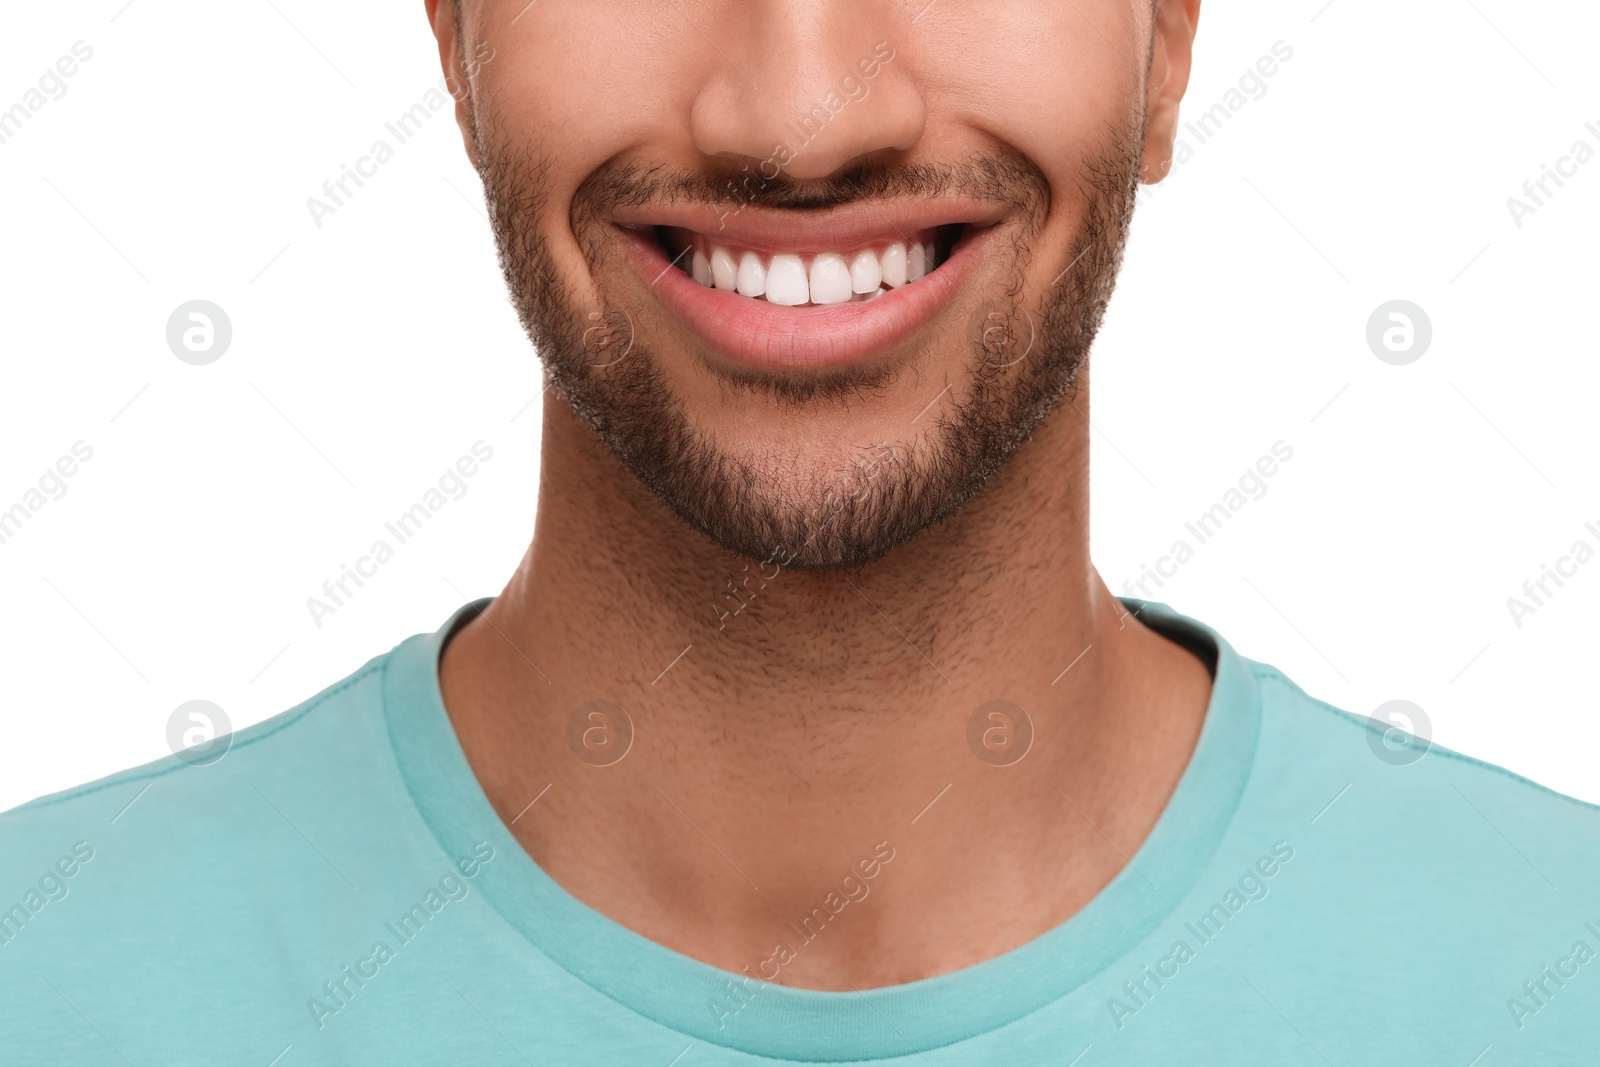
[573,97]
[1044,78]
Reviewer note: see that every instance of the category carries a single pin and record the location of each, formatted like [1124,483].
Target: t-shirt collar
[678,991]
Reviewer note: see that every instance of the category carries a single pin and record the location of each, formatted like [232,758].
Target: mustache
[999,179]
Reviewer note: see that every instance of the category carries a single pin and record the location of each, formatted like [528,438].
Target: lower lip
[756,333]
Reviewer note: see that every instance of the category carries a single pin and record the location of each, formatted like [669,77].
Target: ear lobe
[444,18]
[1171,56]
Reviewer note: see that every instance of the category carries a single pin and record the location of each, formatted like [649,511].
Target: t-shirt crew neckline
[678,991]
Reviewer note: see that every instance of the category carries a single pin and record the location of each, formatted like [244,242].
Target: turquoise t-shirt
[337,890]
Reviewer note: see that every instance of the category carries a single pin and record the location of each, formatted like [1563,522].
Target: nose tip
[818,100]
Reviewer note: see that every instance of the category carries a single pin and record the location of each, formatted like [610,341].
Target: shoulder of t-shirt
[280,726]
[1281,693]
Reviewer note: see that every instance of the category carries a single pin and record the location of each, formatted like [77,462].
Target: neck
[786,723]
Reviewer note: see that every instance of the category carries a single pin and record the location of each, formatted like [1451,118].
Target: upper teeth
[825,278]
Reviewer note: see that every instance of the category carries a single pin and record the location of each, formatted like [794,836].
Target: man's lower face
[812,372]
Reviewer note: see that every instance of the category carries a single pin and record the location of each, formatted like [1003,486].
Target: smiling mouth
[792,291]
[804,279]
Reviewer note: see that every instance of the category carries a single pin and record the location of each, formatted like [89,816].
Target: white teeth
[786,281]
[894,265]
[865,274]
[830,279]
[752,278]
[791,279]
[724,271]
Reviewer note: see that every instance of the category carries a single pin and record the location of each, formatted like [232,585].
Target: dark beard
[888,492]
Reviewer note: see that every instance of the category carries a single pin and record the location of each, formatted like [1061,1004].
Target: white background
[370,353]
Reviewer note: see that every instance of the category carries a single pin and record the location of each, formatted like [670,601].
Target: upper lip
[810,232]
